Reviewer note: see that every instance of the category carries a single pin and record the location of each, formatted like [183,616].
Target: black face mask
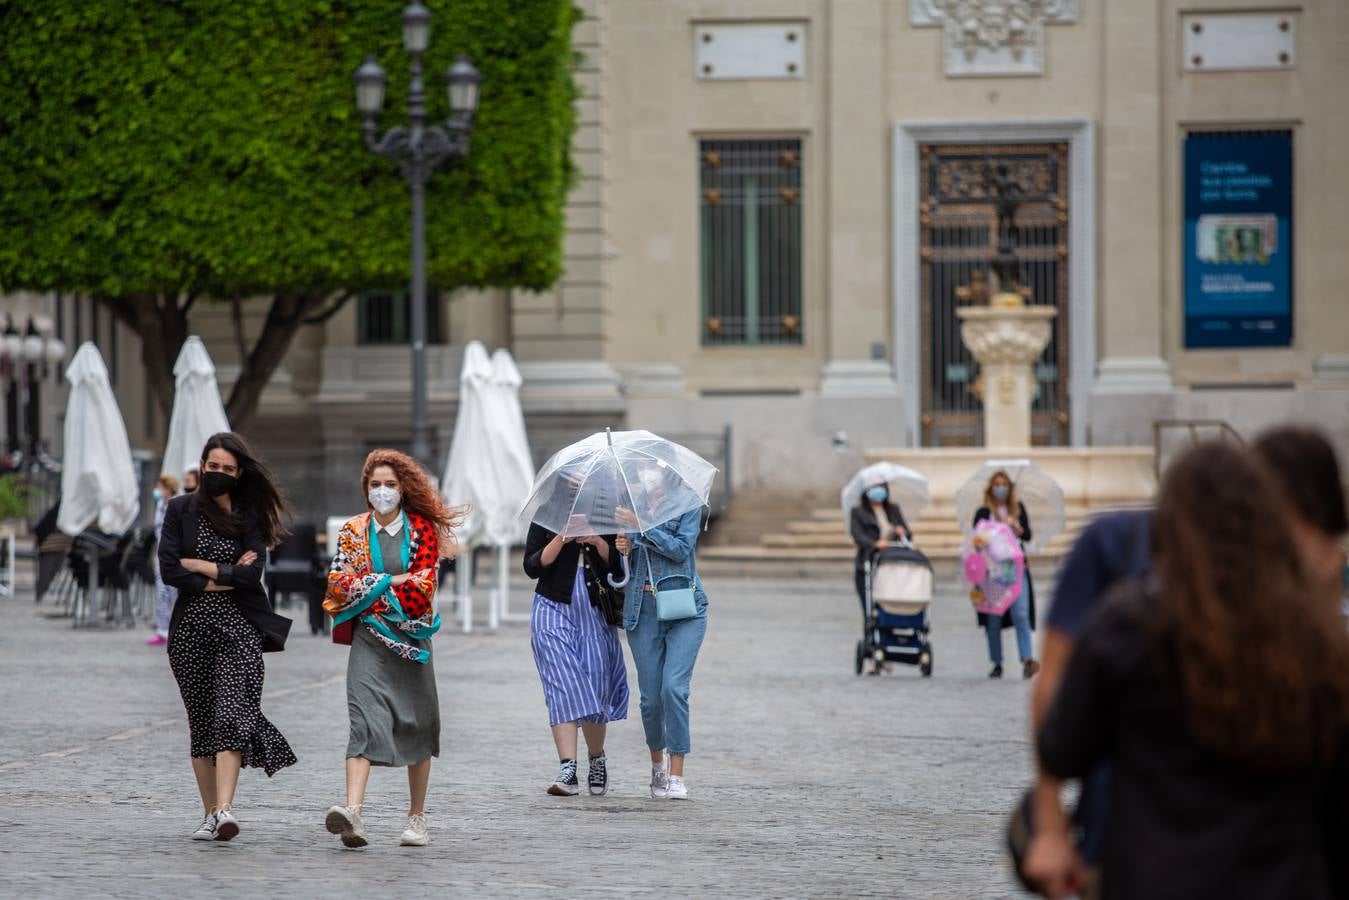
[217,484]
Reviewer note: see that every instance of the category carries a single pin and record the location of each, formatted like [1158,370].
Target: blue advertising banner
[1239,239]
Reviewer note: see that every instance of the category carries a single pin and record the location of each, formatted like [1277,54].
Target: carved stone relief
[992,37]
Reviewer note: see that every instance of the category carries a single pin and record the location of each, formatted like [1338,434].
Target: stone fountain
[1005,336]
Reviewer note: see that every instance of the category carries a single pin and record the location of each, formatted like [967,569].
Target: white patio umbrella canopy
[469,469]
[98,479]
[197,410]
[512,462]
[908,488]
[1035,488]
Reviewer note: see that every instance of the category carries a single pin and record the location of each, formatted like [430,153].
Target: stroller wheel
[861,657]
[925,663]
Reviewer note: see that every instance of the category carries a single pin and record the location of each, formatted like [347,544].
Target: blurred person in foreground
[1218,692]
[1116,546]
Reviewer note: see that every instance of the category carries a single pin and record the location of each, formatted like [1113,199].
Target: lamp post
[417,149]
[25,358]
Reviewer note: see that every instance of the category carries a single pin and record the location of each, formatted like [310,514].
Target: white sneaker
[415,834]
[660,782]
[206,830]
[676,789]
[345,822]
[226,826]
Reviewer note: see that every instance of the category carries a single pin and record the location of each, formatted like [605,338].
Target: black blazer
[865,532]
[555,581]
[178,538]
[1024,521]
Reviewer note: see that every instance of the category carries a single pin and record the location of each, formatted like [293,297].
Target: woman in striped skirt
[579,657]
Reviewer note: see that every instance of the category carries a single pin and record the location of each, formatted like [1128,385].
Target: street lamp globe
[56,350]
[370,82]
[33,349]
[461,84]
[416,28]
[11,344]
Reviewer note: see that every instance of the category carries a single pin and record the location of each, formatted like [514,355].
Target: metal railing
[1196,429]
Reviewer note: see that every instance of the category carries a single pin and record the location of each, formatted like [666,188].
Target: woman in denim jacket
[663,652]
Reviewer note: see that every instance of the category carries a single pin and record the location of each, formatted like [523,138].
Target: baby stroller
[899,589]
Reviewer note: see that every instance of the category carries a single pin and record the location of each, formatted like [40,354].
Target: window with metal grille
[386,318]
[750,226]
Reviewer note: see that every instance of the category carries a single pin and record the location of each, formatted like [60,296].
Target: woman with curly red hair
[380,594]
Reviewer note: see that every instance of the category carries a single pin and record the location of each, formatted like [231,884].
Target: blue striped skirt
[580,659]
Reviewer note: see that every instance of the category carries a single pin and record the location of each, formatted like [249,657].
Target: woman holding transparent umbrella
[576,649]
[663,651]
[647,491]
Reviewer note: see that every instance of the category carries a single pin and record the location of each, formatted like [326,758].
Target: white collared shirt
[392,529]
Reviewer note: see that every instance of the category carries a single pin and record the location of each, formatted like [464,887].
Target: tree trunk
[161,323]
[284,320]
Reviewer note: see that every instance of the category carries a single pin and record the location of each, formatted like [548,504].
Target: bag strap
[657,584]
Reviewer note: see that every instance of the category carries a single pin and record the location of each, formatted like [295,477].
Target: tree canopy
[189,147]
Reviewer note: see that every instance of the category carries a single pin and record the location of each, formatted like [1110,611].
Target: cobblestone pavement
[807,780]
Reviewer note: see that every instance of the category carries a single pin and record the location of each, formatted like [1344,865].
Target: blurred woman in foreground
[1219,693]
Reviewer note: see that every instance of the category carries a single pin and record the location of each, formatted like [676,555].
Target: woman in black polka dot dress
[212,549]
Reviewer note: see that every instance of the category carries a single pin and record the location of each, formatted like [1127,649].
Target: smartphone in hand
[577,526]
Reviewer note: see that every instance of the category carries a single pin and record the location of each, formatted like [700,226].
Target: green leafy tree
[155,153]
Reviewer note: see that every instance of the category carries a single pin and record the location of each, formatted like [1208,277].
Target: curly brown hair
[419,495]
[1263,662]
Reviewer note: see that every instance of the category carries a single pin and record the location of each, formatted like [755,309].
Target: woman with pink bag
[1002,506]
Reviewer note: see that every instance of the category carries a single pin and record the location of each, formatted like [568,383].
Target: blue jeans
[1020,613]
[664,654]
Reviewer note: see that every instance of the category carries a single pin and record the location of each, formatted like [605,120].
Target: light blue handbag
[673,604]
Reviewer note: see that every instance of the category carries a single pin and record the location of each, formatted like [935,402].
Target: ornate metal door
[957,219]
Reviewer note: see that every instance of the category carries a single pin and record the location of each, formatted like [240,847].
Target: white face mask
[652,479]
[384,499]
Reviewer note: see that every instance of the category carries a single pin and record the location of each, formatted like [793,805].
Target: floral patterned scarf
[357,588]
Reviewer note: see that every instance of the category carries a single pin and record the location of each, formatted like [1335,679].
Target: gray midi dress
[392,702]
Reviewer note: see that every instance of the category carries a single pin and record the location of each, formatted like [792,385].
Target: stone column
[558,338]
[856,248]
[1133,285]
[1006,341]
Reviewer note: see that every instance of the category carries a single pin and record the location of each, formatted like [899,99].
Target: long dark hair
[1263,661]
[255,492]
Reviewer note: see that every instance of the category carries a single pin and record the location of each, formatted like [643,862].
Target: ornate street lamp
[417,149]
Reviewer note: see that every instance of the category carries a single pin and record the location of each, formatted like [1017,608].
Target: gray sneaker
[226,826]
[206,830]
[660,782]
[345,822]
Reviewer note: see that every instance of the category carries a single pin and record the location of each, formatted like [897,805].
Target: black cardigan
[555,581]
[1185,821]
[1024,521]
[178,538]
[865,532]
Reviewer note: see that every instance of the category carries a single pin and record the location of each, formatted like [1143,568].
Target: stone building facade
[780,204]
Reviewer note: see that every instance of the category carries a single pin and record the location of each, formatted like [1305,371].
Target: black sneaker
[997,671]
[566,784]
[599,776]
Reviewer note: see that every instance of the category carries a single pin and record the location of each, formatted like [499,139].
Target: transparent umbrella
[908,488]
[582,488]
[1035,488]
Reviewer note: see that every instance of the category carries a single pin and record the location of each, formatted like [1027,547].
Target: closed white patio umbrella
[197,410]
[469,469]
[98,478]
[514,467]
